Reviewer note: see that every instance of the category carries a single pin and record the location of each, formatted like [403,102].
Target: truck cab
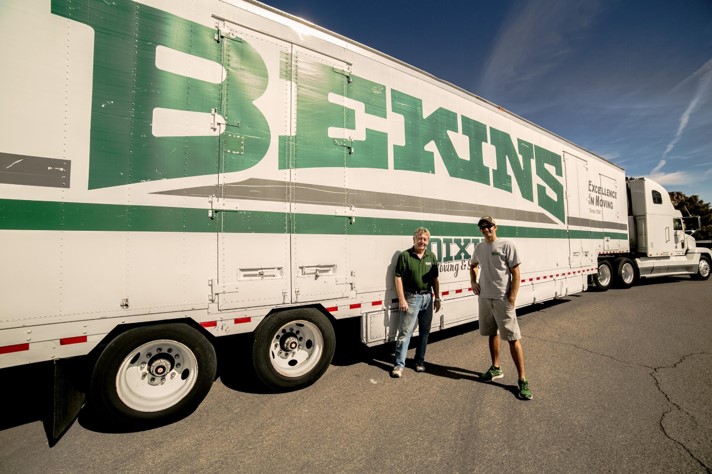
[658,242]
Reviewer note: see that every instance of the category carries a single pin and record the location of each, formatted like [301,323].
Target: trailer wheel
[292,349]
[626,272]
[153,374]
[703,269]
[602,279]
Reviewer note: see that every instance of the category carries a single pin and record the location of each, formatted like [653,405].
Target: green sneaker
[524,392]
[491,374]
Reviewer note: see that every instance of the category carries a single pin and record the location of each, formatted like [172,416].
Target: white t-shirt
[495,261]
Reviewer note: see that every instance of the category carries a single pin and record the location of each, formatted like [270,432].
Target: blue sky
[630,80]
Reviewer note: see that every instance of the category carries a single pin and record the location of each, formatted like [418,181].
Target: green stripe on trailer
[71,216]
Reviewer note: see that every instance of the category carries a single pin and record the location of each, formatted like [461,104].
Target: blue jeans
[420,311]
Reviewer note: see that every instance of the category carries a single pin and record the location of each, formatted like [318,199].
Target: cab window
[657,197]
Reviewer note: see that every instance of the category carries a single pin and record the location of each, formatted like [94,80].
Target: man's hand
[402,304]
[437,305]
[476,288]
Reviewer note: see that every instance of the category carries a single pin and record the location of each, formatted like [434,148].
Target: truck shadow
[26,394]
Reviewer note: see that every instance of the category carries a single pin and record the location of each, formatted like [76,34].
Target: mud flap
[67,399]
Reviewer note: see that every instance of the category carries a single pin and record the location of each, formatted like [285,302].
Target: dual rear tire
[147,376]
[626,272]
[620,272]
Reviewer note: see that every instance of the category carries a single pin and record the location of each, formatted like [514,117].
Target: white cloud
[674,178]
[701,93]
[659,167]
[671,178]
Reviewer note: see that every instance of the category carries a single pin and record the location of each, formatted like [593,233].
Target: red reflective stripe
[72,340]
[246,319]
[333,309]
[458,291]
[209,324]
[15,348]
[377,303]
[355,306]
[445,293]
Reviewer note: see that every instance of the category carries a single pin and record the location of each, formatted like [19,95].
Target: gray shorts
[498,315]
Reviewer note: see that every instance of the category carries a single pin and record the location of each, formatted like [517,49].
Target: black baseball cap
[484,220]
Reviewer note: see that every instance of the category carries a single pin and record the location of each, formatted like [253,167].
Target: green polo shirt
[417,273]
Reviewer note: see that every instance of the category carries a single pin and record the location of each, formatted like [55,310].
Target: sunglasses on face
[485,227]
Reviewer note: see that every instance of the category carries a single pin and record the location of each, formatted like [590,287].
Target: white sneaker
[397,372]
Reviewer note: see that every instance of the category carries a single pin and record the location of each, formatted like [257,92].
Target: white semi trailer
[176,172]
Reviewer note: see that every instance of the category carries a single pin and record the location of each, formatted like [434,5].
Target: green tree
[694,206]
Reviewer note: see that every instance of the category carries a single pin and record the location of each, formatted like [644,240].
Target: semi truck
[172,173]
[658,243]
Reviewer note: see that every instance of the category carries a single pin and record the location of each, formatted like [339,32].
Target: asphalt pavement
[622,382]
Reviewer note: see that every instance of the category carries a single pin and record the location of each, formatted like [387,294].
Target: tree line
[694,206]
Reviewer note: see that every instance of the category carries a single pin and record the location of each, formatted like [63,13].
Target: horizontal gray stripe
[34,171]
[269,190]
[578,221]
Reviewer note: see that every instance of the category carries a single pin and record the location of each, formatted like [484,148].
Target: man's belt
[418,292]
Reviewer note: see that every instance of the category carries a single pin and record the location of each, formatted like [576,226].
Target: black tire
[292,349]
[703,268]
[603,279]
[626,273]
[153,375]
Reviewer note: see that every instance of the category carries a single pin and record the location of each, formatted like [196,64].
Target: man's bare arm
[402,303]
[514,288]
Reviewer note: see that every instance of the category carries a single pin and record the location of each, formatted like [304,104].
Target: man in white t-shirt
[497,263]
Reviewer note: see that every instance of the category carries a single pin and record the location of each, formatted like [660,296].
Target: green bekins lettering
[127,83]
[128,87]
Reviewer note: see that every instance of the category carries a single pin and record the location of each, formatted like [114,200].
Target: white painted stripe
[182,123]
[187,65]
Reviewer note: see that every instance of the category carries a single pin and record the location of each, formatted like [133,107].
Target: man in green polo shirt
[416,280]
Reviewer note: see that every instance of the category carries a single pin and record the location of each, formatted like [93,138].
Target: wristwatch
[437,299]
